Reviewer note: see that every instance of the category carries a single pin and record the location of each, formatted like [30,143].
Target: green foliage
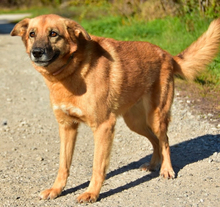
[88,2]
[171,33]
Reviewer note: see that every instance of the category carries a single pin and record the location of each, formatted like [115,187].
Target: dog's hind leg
[135,119]
[150,118]
[158,119]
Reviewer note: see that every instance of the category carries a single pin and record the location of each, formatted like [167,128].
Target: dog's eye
[32,34]
[53,34]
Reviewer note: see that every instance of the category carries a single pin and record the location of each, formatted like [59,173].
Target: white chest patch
[69,110]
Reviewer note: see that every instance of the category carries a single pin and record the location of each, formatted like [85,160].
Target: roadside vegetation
[171,24]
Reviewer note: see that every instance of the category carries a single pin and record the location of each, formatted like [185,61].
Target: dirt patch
[204,100]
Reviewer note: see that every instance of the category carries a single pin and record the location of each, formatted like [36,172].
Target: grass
[173,34]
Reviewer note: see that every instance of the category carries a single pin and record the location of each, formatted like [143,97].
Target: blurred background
[159,21]
[148,9]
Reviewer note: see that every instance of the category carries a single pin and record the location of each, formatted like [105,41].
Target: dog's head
[50,40]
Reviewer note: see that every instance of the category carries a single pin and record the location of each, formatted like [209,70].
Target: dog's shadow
[182,154]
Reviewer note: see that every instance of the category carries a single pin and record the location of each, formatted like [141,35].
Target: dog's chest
[69,110]
[68,113]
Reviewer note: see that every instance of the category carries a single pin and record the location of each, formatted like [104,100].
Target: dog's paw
[168,174]
[87,197]
[149,167]
[50,193]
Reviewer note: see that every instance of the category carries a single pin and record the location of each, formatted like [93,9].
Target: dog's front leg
[67,143]
[103,136]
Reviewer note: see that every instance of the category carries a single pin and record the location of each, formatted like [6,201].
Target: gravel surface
[29,150]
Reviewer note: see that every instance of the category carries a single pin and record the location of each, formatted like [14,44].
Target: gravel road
[29,150]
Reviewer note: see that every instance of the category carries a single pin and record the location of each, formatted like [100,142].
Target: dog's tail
[199,54]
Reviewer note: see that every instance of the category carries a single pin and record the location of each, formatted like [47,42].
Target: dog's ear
[76,31]
[20,28]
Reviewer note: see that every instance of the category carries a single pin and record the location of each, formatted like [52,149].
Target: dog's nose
[38,52]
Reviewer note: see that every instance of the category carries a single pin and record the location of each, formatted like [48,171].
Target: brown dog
[93,80]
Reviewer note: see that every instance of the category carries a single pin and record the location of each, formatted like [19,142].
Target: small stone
[40,159]
[6,128]
[215,154]
[22,123]
[210,160]
[9,100]
[5,123]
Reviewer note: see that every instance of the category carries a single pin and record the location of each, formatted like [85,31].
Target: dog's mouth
[42,57]
[45,63]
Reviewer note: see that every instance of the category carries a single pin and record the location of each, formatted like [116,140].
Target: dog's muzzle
[43,56]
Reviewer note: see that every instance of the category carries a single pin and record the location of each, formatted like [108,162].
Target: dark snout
[38,52]
[43,56]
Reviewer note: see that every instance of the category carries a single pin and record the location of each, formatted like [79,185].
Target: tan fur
[94,79]
[203,51]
